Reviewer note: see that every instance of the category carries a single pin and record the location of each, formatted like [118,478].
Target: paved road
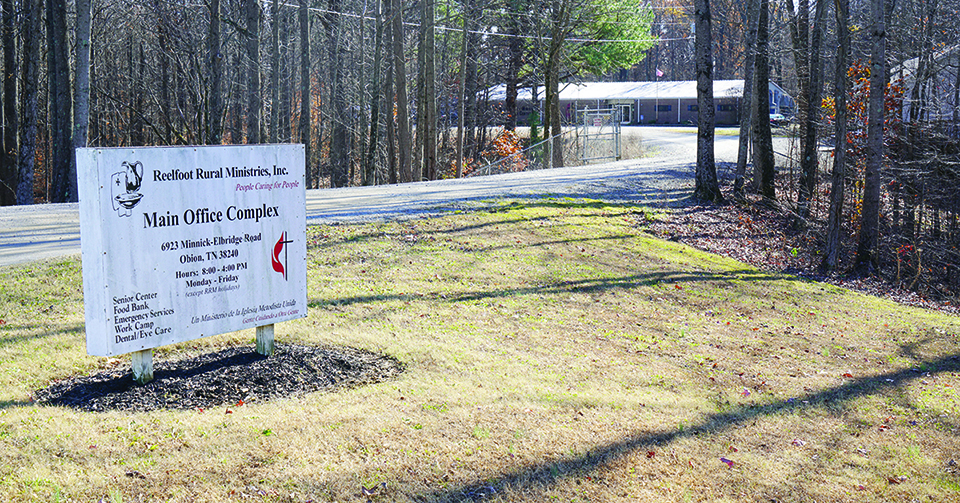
[51,230]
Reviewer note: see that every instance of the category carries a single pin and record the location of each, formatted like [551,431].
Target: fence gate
[598,132]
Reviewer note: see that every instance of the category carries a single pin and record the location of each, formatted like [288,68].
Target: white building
[647,102]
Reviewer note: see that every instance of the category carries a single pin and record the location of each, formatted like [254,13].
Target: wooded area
[392,91]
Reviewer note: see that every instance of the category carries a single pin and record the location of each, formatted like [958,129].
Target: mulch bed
[228,377]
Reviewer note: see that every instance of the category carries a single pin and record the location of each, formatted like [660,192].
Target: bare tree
[275,72]
[30,70]
[393,175]
[514,62]
[404,139]
[369,166]
[81,100]
[867,260]
[60,103]
[763,142]
[336,100]
[462,93]
[560,23]
[8,158]
[215,109]
[428,122]
[305,99]
[749,94]
[831,251]
[254,102]
[707,187]
[809,159]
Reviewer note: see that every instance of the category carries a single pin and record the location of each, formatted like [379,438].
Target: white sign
[180,243]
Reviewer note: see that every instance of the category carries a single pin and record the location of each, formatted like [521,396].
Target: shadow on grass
[10,340]
[577,286]
[315,242]
[11,404]
[516,202]
[547,473]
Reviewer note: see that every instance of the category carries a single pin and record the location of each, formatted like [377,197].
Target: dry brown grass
[553,352]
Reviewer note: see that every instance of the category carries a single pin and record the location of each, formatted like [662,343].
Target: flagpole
[658,73]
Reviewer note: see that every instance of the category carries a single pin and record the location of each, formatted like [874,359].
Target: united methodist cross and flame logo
[278,248]
[125,187]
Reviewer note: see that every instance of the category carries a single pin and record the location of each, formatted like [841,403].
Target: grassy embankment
[553,351]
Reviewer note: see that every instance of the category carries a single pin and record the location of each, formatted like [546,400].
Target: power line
[497,33]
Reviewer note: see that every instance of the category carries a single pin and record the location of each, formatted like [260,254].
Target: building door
[626,113]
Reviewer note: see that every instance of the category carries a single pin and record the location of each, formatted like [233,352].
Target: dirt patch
[227,377]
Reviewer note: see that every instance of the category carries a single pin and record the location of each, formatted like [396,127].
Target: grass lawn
[553,351]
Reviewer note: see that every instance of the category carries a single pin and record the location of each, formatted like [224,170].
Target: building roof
[592,91]
[943,59]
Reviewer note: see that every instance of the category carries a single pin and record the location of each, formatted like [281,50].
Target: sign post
[180,243]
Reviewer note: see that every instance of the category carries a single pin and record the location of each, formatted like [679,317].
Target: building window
[725,108]
[664,108]
[693,108]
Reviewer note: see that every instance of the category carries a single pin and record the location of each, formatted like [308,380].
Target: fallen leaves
[135,475]
[764,238]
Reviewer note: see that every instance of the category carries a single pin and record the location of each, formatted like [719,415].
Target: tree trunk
[799,24]
[275,73]
[514,63]
[925,70]
[831,252]
[429,122]
[763,145]
[707,187]
[420,101]
[336,102]
[64,182]
[163,42]
[559,21]
[956,98]
[360,59]
[81,110]
[404,139]
[285,133]
[809,157]
[254,102]
[393,176]
[749,94]
[214,134]
[31,54]
[8,158]
[135,74]
[304,127]
[471,11]
[369,163]
[867,259]
[462,94]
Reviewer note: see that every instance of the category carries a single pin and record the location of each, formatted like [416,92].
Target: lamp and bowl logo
[125,188]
